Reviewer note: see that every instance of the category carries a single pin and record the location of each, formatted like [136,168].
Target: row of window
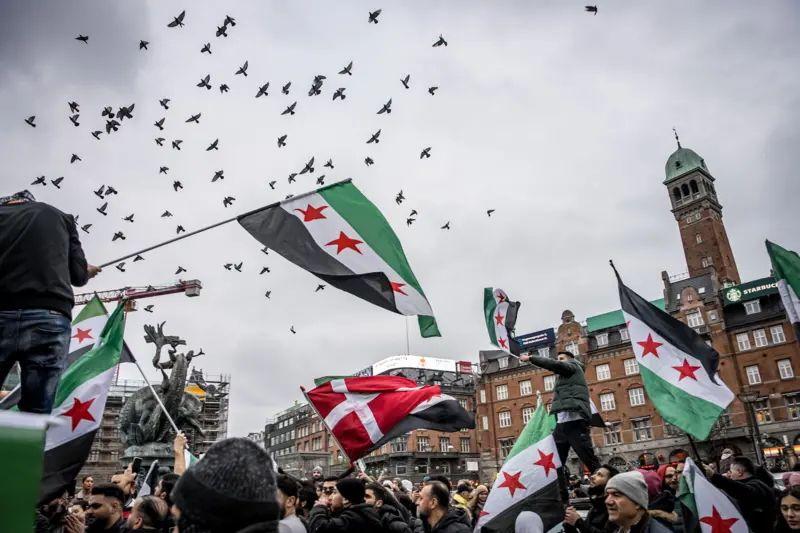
[760,339]
[400,444]
[785,371]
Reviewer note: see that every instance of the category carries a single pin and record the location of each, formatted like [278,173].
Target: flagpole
[694,449]
[408,344]
[220,223]
[330,430]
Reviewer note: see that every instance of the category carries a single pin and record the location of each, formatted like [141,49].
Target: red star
[79,411]
[483,513]
[344,242]
[511,482]
[398,287]
[312,213]
[686,370]
[498,318]
[717,523]
[502,343]
[83,334]
[649,346]
[546,462]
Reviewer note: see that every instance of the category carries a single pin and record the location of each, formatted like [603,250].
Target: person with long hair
[789,507]
[476,502]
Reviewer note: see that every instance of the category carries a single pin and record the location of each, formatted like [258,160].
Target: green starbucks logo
[734,295]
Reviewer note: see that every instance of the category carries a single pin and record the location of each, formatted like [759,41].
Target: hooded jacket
[571,393]
[359,518]
[393,520]
[453,522]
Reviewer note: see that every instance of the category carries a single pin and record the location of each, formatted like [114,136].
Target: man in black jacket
[345,511]
[40,259]
[596,520]
[434,509]
[753,497]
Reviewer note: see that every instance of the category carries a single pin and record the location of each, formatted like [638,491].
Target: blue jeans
[39,340]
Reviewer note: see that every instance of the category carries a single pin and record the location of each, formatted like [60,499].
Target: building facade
[744,322]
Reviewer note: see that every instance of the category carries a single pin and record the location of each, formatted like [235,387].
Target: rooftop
[682,161]
[613,318]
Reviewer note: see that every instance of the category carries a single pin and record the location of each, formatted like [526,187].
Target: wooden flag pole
[694,449]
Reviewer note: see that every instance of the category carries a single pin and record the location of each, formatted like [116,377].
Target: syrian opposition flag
[79,404]
[786,271]
[596,419]
[150,481]
[705,507]
[86,328]
[338,235]
[501,315]
[21,445]
[678,369]
[526,489]
[364,413]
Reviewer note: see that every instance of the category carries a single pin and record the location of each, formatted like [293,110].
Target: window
[485,424]
[712,316]
[316,443]
[624,335]
[94,456]
[549,383]
[694,319]
[463,403]
[760,338]
[777,334]
[502,392]
[793,406]
[505,447]
[672,431]
[483,396]
[612,433]
[631,366]
[642,429]
[636,396]
[607,402]
[502,362]
[603,372]
[602,339]
[743,341]
[527,414]
[752,307]
[572,347]
[785,369]
[505,418]
[753,375]
[698,238]
[724,420]
[525,388]
[544,351]
[400,470]
[763,412]
[706,261]
[444,444]
[464,444]
[423,444]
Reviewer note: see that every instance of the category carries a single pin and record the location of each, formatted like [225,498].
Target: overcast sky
[558,119]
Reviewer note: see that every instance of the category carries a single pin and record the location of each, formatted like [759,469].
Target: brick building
[745,322]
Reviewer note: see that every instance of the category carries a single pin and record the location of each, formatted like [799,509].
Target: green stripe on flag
[103,356]
[94,308]
[428,326]
[538,427]
[489,305]
[21,444]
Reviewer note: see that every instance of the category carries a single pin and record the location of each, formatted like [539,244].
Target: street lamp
[748,397]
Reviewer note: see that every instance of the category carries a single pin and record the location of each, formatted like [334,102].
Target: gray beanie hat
[632,485]
[231,487]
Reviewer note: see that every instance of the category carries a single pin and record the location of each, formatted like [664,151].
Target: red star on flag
[82,334]
[312,213]
[498,318]
[717,523]
[502,343]
[483,513]
[545,461]
[649,345]
[344,242]
[686,370]
[398,287]
[511,482]
[79,411]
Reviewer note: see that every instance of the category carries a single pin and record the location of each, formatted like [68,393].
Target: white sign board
[413,361]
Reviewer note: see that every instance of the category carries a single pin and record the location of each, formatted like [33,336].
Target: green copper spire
[681,161]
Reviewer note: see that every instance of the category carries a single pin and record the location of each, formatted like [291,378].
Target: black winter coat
[392,520]
[361,518]
[596,520]
[754,498]
[455,521]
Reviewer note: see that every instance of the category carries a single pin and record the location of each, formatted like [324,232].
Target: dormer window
[678,164]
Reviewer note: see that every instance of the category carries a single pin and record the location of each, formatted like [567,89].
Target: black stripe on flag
[62,465]
[670,329]
[545,502]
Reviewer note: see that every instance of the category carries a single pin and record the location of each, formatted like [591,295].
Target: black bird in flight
[440,42]
[73,107]
[57,182]
[399,198]
[179,230]
[375,137]
[227,266]
[321,180]
[264,269]
[39,181]
[446,226]
[30,120]
[265,250]
[238,267]
[426,153]
[369,161]
[138,258]
[82,38]
[177,185]
[348,69]
[180,269]
[129,218]
[387,107]
[405,80]
[309,166]
[292,177]
[121,266]
[111,190]
[149,308]
[489,212]
[176,144]
[591,9]
[262,91]
[432,90]
[125,112]
[285,88]
[413,213]
[75,157]
[160,123]
[316,88]
[160,141]
[320,287]
[164,103]
[292,330]
[102,209]
[118,235]
[166,214]
[282,140]
[218,175]
[224,88]
[85,228]
[108,111]
[229,20]
[143,45]
[289,110]
[74,120]
[410,221]
[111,125]
[194,118]
[97,133]
[329,164]
[373,16]
[339,94]
[243,69]
[206,49]
[228,201]
[177,21]
[272,184]
[99,192]
[222,31]
[213,146]
[204,82]
[267,294]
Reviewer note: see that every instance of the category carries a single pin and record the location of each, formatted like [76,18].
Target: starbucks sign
[734,294]
[750,290]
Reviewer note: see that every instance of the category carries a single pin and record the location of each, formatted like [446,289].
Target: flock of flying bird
[114,121]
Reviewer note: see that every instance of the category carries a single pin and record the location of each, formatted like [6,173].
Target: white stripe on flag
[354,403]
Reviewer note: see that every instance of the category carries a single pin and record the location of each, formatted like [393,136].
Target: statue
[145,429]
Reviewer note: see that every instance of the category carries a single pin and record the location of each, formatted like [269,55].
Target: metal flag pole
[220,223]
[408,343]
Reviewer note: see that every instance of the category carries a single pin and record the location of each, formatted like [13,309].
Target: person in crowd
[328,487]
[40,259]
[307,496]
[288,490]
[596,520]
[164,487]
[87,482]
[435,511]
[149,513]
[626,501]
[232,489]
[344,511]
[725,460]
[105,509]
[662,505]
[316,474]
[571,409]
[754,498]
[406,503]
[51,516]
[179,453]
[789,505]
[575,489]
[476,502]
[126,481]
[393,517]
[461,498]
[790,479]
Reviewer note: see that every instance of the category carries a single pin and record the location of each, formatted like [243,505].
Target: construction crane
[129,294]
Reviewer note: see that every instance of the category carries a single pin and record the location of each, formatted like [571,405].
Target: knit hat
[231,487]
[632,485]
[352,489]
[21,196]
